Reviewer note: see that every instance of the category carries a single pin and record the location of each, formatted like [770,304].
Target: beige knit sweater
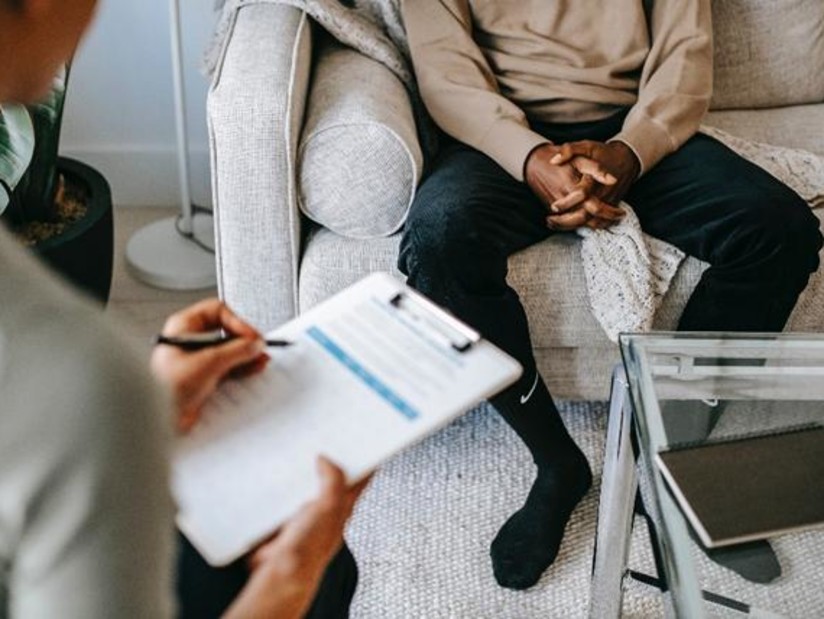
[485,68]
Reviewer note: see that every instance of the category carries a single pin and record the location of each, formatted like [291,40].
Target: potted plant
[60,207]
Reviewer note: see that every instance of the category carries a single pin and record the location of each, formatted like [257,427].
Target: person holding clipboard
[306,570]
[86,520]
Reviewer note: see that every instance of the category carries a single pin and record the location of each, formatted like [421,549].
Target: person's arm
[461,94]
[193,377]
[459,88]
[85,509]
[287,570]
[674,95]
[676,81]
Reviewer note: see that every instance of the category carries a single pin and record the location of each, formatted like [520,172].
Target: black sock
[529,541]
[754,561]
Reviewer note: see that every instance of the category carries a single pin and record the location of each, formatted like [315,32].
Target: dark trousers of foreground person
[205,592]
[469,216]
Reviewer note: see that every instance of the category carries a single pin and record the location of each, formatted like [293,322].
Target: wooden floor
[140,307]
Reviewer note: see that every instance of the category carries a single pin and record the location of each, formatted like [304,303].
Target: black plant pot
[84,252]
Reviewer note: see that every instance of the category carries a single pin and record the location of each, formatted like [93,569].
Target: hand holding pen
[203,345]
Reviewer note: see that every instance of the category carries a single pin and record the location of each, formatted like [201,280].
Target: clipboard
[371,371]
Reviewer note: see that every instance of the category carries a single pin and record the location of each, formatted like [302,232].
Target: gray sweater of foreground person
[86,525]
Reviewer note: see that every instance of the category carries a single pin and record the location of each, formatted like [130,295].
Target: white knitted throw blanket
[627,271]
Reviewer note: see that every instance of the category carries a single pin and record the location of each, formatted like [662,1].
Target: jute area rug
[421,533]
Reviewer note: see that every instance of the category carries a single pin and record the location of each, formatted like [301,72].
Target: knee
[799,235]
[423,244]
[780,230]
[808,240]
[444,239]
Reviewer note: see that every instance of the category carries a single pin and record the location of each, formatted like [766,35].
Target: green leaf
[48,110]
[16,148]
[34,196]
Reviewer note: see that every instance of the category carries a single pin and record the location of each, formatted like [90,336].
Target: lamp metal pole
[176,253]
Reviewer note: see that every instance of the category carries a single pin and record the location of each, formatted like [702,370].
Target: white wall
[119,111]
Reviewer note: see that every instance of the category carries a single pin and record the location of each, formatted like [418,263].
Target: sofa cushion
[548,276]
[359,160]
[332,262]
[768,53]
[798,126]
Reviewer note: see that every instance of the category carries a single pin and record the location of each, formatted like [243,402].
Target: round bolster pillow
[359,160]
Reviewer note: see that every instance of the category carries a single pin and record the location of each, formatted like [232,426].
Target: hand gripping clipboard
[371,371]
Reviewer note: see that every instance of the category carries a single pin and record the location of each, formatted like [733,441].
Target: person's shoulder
[59,354]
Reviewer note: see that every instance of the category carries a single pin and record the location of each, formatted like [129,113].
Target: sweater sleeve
[86,519]
[458,86]
[676,81]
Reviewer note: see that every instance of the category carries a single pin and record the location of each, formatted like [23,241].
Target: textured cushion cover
[768,53]
[548,276]
[799,126]
[359,158]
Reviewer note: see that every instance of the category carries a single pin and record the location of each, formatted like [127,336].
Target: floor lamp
[176,253]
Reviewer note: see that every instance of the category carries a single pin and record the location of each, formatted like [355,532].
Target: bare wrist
[628,155]
[530,158]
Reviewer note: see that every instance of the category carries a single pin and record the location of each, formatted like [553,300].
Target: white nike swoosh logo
[525,398]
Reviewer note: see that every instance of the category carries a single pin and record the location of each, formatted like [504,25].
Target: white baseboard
[146,176]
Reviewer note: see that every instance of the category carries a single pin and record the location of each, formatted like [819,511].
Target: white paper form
[364,379]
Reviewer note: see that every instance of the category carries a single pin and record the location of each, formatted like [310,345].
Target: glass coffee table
[675,388]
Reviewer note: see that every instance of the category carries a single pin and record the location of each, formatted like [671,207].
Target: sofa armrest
[255,112]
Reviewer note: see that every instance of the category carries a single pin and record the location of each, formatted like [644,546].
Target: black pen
[199,341]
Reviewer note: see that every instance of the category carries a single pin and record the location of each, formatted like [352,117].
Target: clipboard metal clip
[441,324]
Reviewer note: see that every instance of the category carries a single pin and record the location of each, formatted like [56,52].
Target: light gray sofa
[299,126]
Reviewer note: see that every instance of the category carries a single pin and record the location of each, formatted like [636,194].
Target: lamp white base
[157,255]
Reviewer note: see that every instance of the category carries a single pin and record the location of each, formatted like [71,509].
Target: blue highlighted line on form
[369,379]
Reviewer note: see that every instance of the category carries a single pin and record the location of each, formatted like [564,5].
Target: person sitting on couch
[556,112]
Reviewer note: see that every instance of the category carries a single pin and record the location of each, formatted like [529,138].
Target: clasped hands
[581,183]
